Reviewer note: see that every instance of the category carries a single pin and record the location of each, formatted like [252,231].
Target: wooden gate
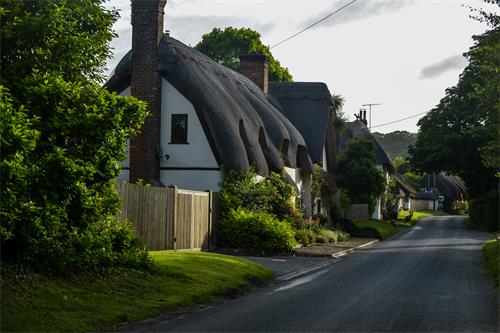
[170,218]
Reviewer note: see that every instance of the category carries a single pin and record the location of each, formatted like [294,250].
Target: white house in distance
[206,118]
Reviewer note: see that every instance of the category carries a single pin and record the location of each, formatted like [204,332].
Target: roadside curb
[335,258]
[345,252]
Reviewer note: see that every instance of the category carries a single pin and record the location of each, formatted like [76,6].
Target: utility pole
[370,106]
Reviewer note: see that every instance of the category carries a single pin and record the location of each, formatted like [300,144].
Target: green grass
[491,252]
[416,216]
[386,229]
[86,303]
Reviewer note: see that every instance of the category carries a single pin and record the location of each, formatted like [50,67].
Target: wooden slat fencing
[170,218]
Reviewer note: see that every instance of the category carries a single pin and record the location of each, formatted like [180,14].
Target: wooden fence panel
[170,218]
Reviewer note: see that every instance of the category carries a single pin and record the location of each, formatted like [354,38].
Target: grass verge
[416,216]
[86,303]
[386,229]
[491,252]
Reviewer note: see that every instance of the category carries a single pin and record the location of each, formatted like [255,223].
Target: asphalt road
[425,279]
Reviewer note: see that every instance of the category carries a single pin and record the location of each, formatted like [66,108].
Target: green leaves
[357,173]
[225,46]
[62,138]
[460,135]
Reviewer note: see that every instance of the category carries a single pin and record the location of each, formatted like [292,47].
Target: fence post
[173,214]
[210,210]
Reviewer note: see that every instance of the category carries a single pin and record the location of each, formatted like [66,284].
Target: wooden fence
[171,218]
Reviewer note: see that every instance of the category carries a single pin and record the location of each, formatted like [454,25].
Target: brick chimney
[255,67]
[147,30]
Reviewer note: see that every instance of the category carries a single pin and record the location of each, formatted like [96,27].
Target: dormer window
[178,131]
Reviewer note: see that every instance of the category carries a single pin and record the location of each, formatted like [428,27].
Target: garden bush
[331,235]
[484,211]
[256,231]
[321,239]
[356,231]
[305,237]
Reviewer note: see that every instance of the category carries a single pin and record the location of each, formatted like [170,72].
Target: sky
[402,54]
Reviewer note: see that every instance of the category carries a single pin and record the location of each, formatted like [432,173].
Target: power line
[312,25]
[397,121]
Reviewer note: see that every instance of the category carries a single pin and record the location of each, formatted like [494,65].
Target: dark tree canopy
[357,173]
[225,46]
[461,134]
[62,138]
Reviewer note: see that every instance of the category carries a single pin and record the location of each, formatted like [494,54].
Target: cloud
[189,29]
[456,62]
[361,9]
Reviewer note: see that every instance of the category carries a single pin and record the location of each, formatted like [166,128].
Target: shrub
[356,231]
[311,225]
[331,235]
[324,220]
[304,236]
[343,236]
[255,230]
[321,239]
[61,146]
[483,211]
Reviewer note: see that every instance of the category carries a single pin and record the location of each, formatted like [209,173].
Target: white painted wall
[195,154]
[304,184]
[182,157]
[325,166]
[197,180]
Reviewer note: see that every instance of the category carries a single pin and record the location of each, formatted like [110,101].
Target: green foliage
[491,252]
[70,38]
[414,179]
[364,228]
[460,135]
[331,235]
[90,303]
[401,164]
[62,138]
[305,237]
[484,211]
[357,174]
[225,46]
[272,194]
[255,230]
[321,239]
[396,143]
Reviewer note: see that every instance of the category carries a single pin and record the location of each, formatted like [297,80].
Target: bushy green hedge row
[257,215]
[483,211]
[257,231]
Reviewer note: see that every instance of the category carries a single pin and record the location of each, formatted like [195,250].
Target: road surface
[425,279]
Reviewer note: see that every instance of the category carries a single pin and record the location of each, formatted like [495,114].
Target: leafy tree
[339,119]
[460,135]
[225,46]
[62,138]
[357,173]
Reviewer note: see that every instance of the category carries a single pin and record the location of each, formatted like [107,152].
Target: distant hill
[396,143]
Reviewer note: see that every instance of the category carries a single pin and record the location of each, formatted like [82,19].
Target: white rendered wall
[304,184]
[196,180]
[197,153]
[186,163]
[325,166]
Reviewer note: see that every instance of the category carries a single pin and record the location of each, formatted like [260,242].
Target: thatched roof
[451,187]
[308,105]
[358,128]
[241,125]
